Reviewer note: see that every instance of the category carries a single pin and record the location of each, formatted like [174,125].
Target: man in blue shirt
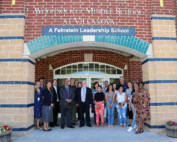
[122,84]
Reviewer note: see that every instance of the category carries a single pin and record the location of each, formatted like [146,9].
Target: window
[90,68]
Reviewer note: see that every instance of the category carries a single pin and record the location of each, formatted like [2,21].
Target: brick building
[87,39]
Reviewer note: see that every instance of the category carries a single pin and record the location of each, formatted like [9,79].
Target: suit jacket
[47,97]
[64,95]
[89,96]
[74,87]
[55,94]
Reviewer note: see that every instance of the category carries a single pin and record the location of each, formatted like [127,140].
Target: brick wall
[7,6]
[134,72]
[35,22]
[167,9]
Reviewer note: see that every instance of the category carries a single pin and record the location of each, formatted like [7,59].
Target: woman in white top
[121,105]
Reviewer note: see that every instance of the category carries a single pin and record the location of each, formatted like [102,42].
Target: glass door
[94,79]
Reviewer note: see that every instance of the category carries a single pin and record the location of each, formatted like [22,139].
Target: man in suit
[66,104]
[84,101]
[55,91]
[74,103]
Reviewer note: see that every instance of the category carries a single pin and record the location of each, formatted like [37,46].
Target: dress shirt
[82,95]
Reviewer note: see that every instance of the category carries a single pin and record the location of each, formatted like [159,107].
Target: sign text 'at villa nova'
[115,31]
[77,20]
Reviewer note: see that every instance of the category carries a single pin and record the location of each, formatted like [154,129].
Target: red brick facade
[142,23]
[134,72]
[34,22]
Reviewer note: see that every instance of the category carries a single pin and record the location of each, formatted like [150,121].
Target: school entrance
[87,40]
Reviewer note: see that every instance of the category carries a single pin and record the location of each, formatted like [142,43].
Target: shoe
[45,130]
[130,129]
[62,127]
[129,125]
[89,125]
[135,126]
[71,126]
[141,130]
[49,129]
[81,126]
[138,131]
[74,123]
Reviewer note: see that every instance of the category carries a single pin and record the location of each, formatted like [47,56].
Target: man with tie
[55,92]
[84,101]
[66,103]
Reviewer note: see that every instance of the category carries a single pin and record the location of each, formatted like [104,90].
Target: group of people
[120,101]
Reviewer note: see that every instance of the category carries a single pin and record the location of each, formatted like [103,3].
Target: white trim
[88,63]
[26,51]
[158,15]
[87,45]
[89,76]
[149,52]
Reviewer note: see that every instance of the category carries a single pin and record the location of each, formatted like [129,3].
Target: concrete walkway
[86,134]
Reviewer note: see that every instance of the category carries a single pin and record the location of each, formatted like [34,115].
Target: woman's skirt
[47,114]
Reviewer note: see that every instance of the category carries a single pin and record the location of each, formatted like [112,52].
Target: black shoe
[62,127]
[49,129]
[81,126]
[89,125]
[74,123]
[57,125]
[71,126]
[51,125]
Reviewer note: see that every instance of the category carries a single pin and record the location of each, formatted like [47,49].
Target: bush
[4,128]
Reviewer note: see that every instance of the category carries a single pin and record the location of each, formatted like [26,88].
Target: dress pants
[83,107]
[66,112]
[74,113]
[55,114]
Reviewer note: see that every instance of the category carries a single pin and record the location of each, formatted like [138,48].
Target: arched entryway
[129,65]
[51,44]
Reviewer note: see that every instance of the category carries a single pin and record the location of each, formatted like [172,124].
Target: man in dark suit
[84,101]
[55,91]
[66,103]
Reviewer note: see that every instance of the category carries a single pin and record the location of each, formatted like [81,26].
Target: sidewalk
[86,134]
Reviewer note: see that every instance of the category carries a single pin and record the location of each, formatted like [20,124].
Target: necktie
[67,89]
[83,94]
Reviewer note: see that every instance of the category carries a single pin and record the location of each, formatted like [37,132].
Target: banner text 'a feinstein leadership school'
[118,31]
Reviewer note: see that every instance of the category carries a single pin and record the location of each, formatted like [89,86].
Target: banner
[115,31]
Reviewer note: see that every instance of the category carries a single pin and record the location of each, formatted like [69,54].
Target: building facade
[95,40]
